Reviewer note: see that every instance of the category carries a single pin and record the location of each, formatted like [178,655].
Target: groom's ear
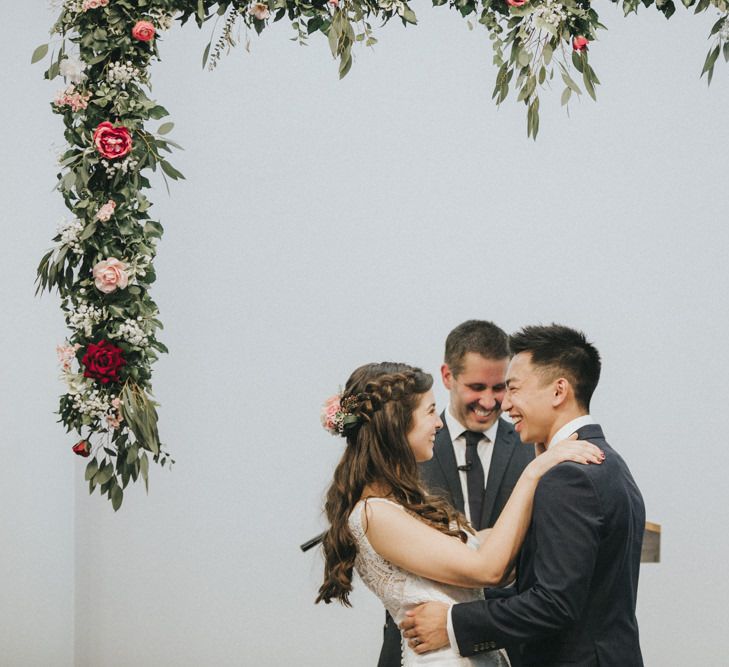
[561,389]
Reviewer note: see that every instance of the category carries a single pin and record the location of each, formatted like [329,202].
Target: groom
[578,569]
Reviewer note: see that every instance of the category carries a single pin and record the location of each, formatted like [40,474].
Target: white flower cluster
[83,318]
[113,167]
[133,332]
[87,399]
[73,69]
[120,74]
[70,230]
[551,12]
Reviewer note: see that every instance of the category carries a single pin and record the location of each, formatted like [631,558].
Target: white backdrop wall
[328,223]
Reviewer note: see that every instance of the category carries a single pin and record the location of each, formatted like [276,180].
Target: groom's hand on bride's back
[425,627]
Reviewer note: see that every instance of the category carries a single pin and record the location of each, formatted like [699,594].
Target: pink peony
[516,3]
[143,31]
[334,3]
[110,274]
[66,354]
[580,43]
[329,412]
[106,211]
[112,142]
[259,10]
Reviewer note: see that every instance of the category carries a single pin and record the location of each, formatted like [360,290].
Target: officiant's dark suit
[441,476]
[578,572]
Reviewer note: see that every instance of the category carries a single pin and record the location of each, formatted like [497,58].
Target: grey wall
[324,224]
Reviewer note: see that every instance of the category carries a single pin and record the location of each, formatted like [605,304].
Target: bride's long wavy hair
[384,397]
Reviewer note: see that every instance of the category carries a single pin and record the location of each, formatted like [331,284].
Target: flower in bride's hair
[336,414]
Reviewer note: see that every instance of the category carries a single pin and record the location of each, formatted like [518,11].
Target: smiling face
[530,400]
[426,422]
[477,391]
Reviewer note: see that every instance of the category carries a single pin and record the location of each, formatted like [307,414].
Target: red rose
[82,448]
[112,142]
[143,31]
[103,361]
[516,3]
[580,43]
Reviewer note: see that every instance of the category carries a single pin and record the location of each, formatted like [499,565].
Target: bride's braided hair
[383,397]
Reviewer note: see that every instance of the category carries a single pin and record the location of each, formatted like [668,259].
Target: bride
[407,546]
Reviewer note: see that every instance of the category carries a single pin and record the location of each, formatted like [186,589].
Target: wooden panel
[651,552]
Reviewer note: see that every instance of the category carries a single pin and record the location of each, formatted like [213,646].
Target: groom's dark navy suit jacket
[441,477]
[577,573]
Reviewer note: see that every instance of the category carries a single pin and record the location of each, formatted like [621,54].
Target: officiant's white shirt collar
[456,429]
[571,427]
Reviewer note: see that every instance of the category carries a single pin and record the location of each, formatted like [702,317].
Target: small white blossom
[122,73]
[87,399]
[83,317]
[113,167]
[70,230]
[73,69]
[132,331]
[551,12]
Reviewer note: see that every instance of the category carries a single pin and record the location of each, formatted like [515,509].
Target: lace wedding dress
[400,590]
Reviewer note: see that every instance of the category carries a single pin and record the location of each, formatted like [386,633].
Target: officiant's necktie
[476,482]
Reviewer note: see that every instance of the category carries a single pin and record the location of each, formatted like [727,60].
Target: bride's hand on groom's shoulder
[425,627]
[572,449]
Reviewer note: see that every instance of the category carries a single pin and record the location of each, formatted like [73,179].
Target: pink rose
[259,10]
[334,3]
[580,43]
[143,31]
[110,274]
[112,142]
[106,211]
[516,3]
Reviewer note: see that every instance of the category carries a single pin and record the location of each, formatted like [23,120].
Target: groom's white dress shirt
[565,432]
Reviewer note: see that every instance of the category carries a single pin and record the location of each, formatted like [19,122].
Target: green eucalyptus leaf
[39,53]
[165,128]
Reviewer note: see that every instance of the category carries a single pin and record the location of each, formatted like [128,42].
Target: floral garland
[102,262]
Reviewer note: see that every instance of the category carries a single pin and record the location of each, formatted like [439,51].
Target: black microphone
[310,544]
[466,468]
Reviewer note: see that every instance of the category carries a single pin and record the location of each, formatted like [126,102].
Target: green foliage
[106,70]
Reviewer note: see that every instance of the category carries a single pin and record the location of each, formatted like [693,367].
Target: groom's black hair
[560,350]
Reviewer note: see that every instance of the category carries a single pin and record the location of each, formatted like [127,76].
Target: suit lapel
[503,451]
[445,456]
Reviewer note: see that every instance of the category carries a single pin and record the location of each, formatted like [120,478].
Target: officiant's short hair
[559,350]
[479,336]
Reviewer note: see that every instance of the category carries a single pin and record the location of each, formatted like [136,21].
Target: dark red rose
[103,361]
[580,43]
[112,142]
[82,448]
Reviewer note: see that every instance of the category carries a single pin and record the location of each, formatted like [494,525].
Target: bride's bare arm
[414,546]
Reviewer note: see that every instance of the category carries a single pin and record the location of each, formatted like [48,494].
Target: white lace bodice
[400,590]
